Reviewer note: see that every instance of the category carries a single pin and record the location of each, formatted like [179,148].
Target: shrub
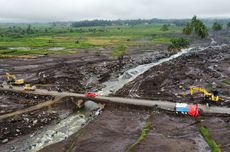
[178,44]
[228,25]
[98,53]
[216,26]
[165,27]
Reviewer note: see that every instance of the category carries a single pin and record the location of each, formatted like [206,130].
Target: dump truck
[28,87]
[188,109]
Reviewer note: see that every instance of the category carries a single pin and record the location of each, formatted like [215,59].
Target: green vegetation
[228,25]
[178,44]
[127,22]
[214,147]
[12,53]
[118,52]
[98,53]
[165,27]
[143,134]
[196,26]
[38,38]
[216,26]
[227,81]
[41,37]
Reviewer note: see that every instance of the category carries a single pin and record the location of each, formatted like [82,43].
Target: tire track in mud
[133,90]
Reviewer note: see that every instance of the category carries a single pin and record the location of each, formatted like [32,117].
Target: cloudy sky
[73,10]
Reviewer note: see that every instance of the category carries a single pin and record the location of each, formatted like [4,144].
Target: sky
[76,10]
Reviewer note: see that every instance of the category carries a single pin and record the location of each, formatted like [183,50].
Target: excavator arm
[207,95]
[192,89]
[12,79]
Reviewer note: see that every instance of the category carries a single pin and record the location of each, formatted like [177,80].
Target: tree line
[177,22]
[127,22]
[197,29]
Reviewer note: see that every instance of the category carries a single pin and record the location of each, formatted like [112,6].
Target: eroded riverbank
[118,127]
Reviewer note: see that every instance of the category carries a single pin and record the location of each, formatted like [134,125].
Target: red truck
[90,94]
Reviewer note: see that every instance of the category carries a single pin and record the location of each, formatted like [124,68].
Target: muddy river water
[114,85]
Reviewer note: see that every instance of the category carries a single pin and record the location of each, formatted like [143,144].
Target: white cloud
[71,10]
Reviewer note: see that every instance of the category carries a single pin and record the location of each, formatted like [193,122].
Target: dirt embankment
[74,73]
[118,128]
[26,123]
[11,101]
[208,68]
[55,71]
[219,130]
[172,133]
[114,130]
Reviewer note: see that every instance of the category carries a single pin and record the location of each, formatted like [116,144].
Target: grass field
[47,36]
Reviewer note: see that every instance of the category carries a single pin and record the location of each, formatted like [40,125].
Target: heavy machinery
[90,94]
[188,109]
[11,79]
[212,97]
[193,110]
[28,87]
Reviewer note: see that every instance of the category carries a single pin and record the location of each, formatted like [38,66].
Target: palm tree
[196,26]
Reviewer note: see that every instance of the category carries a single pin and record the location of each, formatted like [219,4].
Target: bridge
[166,105]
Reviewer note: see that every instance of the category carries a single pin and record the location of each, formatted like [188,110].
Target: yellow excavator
[11,79]
[213,97]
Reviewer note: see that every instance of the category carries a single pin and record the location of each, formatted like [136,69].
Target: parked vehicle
[90,94]
[190,109]
[11,79]
[28,87]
